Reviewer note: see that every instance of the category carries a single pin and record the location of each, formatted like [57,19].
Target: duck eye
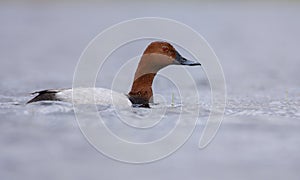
[165,48]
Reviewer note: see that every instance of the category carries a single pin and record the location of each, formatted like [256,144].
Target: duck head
[159,55]
[156,56]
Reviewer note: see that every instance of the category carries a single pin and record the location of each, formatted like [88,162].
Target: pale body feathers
[100,96]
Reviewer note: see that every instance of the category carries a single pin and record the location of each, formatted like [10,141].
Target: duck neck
[141,90]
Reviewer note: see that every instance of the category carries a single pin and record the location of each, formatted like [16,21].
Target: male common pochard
[155,57]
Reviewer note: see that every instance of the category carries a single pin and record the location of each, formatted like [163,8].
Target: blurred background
[257,43]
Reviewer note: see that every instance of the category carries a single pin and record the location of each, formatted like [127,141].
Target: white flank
[99,96]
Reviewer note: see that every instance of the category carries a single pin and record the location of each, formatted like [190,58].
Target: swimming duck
[156,56]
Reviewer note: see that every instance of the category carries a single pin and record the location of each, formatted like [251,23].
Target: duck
[156,56]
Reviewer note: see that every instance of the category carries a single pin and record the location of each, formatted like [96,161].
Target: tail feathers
[45,95]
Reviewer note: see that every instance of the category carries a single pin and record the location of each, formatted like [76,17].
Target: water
[257,44]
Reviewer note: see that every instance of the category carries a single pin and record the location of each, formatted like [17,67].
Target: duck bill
[183,61]
[189,63]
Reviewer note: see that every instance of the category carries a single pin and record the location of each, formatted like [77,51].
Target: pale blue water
[257,45]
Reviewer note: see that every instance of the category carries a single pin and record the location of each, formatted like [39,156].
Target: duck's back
[99,96]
